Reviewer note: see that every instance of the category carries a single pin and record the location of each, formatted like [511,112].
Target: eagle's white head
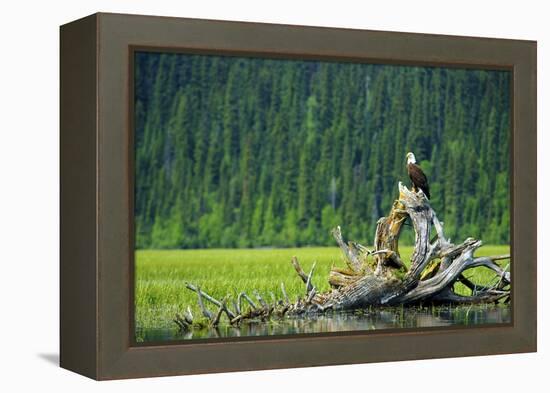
[411,158]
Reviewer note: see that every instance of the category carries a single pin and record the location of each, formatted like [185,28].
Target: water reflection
[372,319]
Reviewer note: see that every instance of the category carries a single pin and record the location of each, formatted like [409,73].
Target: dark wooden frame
[96,195]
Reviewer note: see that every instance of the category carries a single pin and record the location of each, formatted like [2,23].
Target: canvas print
[284,197]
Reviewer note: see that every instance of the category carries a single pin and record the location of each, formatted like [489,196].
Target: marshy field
[161,276]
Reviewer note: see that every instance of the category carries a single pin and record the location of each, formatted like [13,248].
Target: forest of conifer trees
[252,152]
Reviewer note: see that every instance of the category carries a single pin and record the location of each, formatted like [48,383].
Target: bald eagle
[417,176]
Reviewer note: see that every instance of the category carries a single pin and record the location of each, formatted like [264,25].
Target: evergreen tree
[250,152]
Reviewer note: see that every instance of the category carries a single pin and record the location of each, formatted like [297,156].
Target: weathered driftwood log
[379,277]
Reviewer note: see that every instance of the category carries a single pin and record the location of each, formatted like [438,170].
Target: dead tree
[379,277]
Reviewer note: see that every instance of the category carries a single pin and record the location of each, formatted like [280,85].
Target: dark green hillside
[242,152]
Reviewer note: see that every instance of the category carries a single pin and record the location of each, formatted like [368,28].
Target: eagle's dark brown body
[418,178]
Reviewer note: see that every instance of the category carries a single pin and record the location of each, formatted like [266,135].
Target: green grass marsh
[161,276]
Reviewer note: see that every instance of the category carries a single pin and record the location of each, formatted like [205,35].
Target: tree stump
[383,286]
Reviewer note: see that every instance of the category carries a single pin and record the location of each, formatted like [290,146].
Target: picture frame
[96,142]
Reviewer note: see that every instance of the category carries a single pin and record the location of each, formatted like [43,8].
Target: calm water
[374,319]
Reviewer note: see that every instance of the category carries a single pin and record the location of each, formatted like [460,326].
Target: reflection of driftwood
[379,276]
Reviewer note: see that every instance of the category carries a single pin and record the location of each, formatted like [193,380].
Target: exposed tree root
[378,276]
